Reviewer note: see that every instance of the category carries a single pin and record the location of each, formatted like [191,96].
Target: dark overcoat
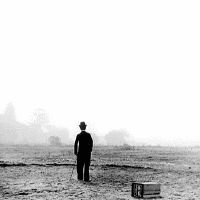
[83,144]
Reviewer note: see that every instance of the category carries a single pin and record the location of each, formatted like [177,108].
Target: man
[83,152]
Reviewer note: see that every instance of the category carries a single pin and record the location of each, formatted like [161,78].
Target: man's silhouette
[82,149]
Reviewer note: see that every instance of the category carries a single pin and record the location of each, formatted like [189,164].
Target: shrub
[55,141]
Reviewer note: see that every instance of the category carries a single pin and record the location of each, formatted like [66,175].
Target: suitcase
[145,190]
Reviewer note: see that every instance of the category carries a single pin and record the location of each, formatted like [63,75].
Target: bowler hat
[82,124]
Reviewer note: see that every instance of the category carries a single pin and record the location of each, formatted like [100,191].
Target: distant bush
[61,132]
[55,141]
[126,147]
[116,137]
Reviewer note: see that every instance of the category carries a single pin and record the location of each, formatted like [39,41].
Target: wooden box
[145,190]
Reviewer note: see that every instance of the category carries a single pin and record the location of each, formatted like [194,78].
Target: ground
[43,172]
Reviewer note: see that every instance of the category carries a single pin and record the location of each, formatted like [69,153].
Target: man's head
[82,126]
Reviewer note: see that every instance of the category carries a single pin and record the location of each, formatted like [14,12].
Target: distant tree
[116,137]
[9,114]
[55,141]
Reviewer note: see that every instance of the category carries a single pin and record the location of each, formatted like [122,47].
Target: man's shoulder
[89,134]
[78,135]
[84,133]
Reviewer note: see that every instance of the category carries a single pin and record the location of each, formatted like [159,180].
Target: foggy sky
[116,65]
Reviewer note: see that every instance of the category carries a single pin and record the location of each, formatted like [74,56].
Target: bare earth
[43,172]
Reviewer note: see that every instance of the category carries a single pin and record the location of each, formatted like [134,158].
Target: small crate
[145,190]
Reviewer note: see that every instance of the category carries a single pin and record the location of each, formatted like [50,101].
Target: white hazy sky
[132,65]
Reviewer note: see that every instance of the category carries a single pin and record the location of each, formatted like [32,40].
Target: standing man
[83,152]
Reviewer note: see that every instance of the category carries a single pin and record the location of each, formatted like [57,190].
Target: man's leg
[86,172]
[80,164]
[86,168]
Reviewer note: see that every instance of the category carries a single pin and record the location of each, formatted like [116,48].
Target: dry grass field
[43,172]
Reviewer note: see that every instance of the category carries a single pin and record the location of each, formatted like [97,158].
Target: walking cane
[72,170]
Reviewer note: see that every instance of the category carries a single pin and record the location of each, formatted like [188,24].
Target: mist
[116,137]
[40,131]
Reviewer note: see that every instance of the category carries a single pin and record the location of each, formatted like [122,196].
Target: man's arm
[91,143]
[75,145]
